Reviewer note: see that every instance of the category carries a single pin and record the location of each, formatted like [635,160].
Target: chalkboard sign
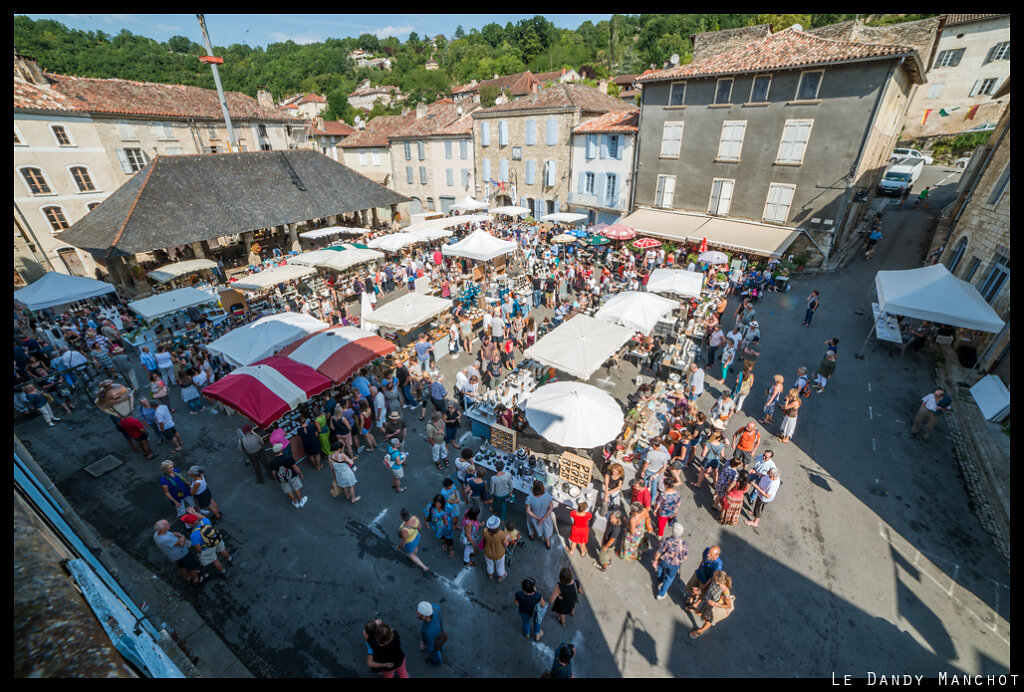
[503,439]
[575,469]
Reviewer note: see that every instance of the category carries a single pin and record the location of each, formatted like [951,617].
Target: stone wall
[714,42]
[920,34]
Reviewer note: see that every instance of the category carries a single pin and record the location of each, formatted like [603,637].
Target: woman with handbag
[344,480]
[772,401]
[158,390]
[472,538]
[789,410]
[716,604]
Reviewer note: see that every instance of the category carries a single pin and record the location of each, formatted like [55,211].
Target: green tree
[488,94]
[614,89]
[338,107]
[779,22]
[459,33]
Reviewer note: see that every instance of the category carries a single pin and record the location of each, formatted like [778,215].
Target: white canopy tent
[479,245]
[637,310]
[449,221]
[410,311]
[272,277]
[261,339]
[333,230]
[55,288]
[175,269]
[574,414]
[932,293]
[165,303]
[563,217]
[677,281]
[510,211]
[336,259]
[468,204]
[579,346]
[426,234]
[393,242]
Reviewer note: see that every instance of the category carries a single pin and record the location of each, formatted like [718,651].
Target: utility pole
[212,61]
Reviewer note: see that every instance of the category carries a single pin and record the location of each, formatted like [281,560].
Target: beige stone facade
[976,238]
[442,177]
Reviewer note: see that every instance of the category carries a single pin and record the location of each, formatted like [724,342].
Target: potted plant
[800,261]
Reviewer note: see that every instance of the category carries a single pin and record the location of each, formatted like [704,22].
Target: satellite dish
[674,59]
[797,27]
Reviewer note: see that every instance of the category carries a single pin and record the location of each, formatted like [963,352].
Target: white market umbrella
[175,269]
[333,230]
[579,346]
[574,414]
[563,217]
[713,257]
[393,242]
[479,245]
[409,311]
[450,221]
[468,204]
[165,303]
[677,281]
[510,211]
[637,310]
[55,288]
[261,339]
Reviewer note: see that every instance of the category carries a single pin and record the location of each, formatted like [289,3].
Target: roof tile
[563,95]
[624,122]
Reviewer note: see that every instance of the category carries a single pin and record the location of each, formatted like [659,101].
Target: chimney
[563,70]
[264,97]
[421,111]
[28,69]
[405,111]
[495,75]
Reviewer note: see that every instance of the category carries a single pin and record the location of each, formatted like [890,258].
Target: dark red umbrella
[268,389]
[618,232]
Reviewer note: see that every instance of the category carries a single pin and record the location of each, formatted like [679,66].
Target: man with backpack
[746,441]
[207,543]
[803,383]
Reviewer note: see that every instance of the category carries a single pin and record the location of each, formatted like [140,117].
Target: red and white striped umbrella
[268,389]
[618,232]
[338,352]
[647,243]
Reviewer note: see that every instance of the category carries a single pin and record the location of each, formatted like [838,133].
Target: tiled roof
[624,122]
[189,198]
[549,76]
[624,79]
[952,19]
[122,96]
[313,98]
[462,126]
[563,95]
[787,49]
[336,128]
[465,87]
[439,115]
[382,89]
[376,133]
[516,84]
[289,106]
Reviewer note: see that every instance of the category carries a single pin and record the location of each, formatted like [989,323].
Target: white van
[900,176]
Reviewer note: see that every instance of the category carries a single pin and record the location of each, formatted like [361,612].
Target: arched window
[82,179]
[36,181]
[92,205]
[958,253]
[55,215]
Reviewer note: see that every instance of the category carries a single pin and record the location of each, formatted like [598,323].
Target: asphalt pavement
[870,559]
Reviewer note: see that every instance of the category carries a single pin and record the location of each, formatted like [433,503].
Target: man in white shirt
[497,326]
[487,321]
[461,380]
[735,336]
[714,343]
[166,425]
[380,407]
[928,415]
[695,382]
[766,489]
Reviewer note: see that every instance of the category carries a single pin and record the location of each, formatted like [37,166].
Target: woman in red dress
[580,534]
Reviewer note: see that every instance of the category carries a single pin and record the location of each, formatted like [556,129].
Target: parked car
[983,128]
[962,162]
[900,176]
[913,153]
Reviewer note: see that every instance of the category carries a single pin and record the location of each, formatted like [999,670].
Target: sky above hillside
[261,29]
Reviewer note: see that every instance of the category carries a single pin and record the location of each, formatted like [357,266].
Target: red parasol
[647,243]
[618,232]
[338,352]
[703,245]
[268,389]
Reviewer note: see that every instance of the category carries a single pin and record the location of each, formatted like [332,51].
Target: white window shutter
[485,134]
[448,149]
[465,177]
[362,157]
[409,175]
[531,172]
[126,166]
[503,133]
[486,168]
[503,170]
[552,173]
[976,87]
[604,147]
[449,176]
[620,147]
[726,197]
[581,183]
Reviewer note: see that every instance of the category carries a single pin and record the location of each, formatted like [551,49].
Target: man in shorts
[395,428]
[746,440]
[207,543]
[424,349]
[395,461]
[289,476]
[175,547]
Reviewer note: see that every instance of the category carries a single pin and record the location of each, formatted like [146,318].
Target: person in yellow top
[409,538]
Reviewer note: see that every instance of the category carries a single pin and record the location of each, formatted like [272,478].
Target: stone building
[367,150]
[509,86]
[972,60]
[523,148]
[792,131]
[366,96]
[974,236]
[326,135]
[77,140]
[602,166]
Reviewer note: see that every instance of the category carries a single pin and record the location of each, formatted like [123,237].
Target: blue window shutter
[487,170]
[604,147]
[503,170]
[552,131]
[448,149]
[582,182]
[531,132]
[599,187]
[421,150]
[408,151]
[465,177]
[531,170]
[502,133]
[449,176]
[553,173]
[557,206]
[591,146]
[485,134]
[622,144]
[408,175]
[423,175]
[463,149]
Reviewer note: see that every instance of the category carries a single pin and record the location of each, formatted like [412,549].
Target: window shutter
[591,146]
[463,149]
[557,206]
[670,190]
[408,175]
[531,172]
[531,132]
[423,175]
[126,166]
[465,177]
[408,151]
[449,176]
[552,132]
[603,153]
[582,183]
[716,196]
[620,147]
[599,187]
[486,170]
[551,173]
[421,150]
[375,158]
[503,170]
[502,133]
[362,157]
[976,87]
[448,149]
[995,87]
[485,134]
